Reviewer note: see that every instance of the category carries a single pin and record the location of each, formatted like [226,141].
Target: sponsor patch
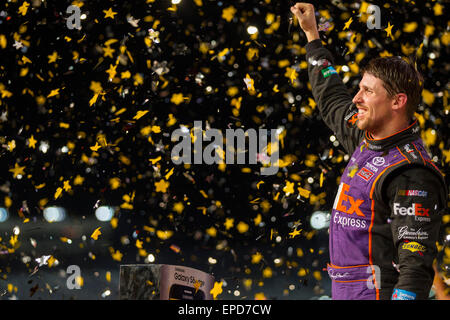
[349,222]
[371,167]
[406,232]
[414,247]
[399,294]
[352,120]
[346,203]
[417,210]
[328,71]
[408,149]
[365,174]
[413,193]
[378,161]
[375,147]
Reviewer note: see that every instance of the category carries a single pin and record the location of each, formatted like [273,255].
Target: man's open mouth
[362,112]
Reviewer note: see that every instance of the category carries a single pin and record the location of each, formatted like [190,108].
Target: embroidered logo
[365,174]
[408,149]
[371,167]
[351,119]
[416,210]
[378,161]
[413,193]
[414,247]
[342,197]
[400,294]
[328,71]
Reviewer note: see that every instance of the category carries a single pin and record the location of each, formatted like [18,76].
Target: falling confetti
[216,290]
[96,233]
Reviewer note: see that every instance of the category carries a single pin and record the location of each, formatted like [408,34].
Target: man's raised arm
[331,95]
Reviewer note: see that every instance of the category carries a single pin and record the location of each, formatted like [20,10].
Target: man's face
[373,103]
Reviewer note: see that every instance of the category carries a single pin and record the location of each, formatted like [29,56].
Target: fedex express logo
[417,210]
[346,203]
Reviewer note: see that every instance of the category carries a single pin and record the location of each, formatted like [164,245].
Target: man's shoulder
[413,169]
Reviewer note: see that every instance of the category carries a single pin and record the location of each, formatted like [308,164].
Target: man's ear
[399,101]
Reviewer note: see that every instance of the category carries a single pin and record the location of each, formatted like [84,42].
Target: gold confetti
[164,235]
[168,174]
[109,13]
[321,179]
[249,82]
[162,185]
[216,290]
[117,255]
[260,296]
[53,93]
[256,258]
[197,285]
[295,233]
[304,192]
[348,23]
[177,98]
[258,219]
[291,73]
[289,188]
[140,114]
[242,227]
[24,8]
[96,147]
[32,142]
[52,58]
[17,170]
[388,30]
[111,71]
[229,223]
[58,193]
[228,13]
[155,160]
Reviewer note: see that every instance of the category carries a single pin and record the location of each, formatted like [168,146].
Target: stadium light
[320,220]
[54,214]
[104,213]
[4,215]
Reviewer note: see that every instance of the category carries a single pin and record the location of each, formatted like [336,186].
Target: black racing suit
[417,184]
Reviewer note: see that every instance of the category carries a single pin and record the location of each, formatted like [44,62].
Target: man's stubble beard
[362,125]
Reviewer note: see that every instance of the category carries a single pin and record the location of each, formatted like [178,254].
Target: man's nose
[357,98]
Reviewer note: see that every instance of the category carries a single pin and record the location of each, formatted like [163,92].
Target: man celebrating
[387,213]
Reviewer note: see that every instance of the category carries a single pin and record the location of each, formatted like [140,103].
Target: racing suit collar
[408,134]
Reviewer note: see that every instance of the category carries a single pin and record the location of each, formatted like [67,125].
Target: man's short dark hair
[398,76]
